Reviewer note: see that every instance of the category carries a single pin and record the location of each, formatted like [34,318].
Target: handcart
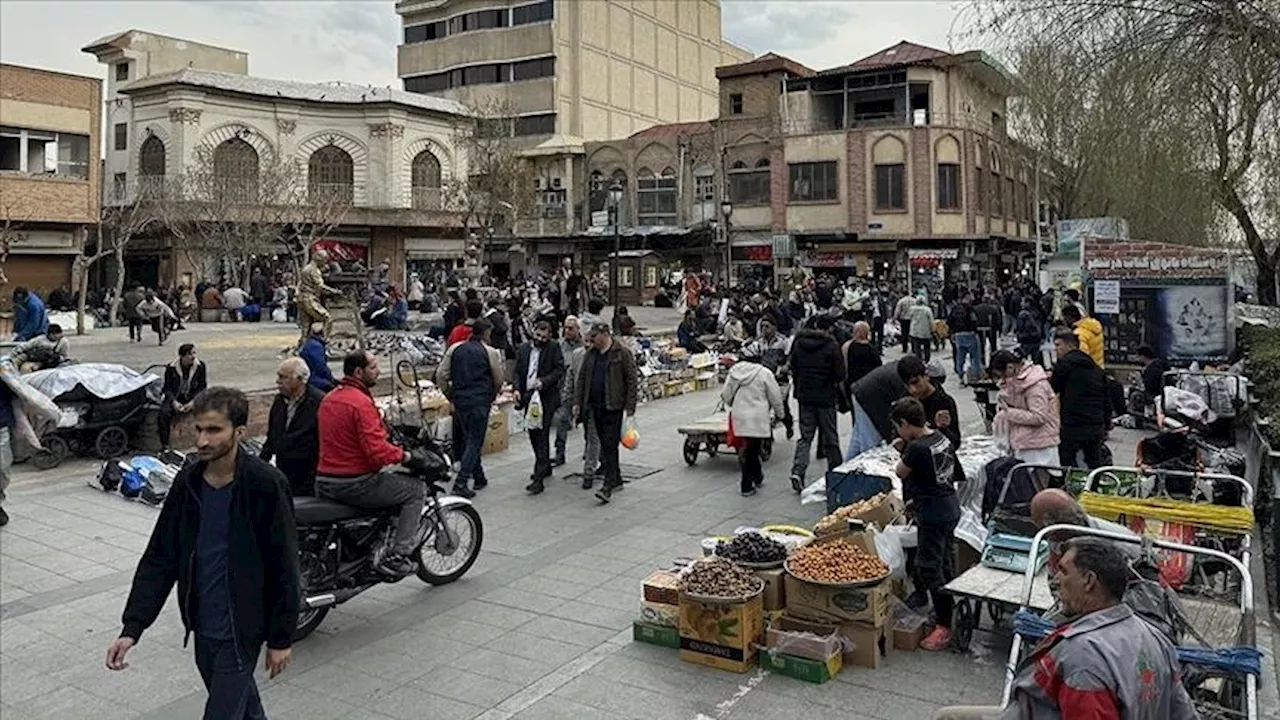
[1220,673]
[708,434]
[412,431]
[996,590]
[102,405]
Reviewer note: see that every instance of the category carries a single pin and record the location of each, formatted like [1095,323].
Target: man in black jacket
[606,388]
[539,370]
[184,378]
[816,373]
[293,434]
[1082,393]
[226,536]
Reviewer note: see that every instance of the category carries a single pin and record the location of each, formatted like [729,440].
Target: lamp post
[615,211]
[726,211]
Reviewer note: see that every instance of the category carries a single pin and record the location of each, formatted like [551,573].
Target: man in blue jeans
[470,375]
[962,323]
[226,536]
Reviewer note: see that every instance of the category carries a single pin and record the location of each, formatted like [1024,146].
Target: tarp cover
[96,380]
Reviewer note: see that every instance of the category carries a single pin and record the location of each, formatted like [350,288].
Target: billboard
[1071,233]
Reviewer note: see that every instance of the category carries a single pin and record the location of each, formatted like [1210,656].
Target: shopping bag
[630,434]
[731,438]
[533,412]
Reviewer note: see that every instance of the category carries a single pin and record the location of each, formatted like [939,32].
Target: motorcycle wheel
[308,618]
[466,525]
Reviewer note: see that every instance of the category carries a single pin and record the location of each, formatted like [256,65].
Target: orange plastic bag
[630,434]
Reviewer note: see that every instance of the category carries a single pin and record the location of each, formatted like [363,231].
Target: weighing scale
[1011,552]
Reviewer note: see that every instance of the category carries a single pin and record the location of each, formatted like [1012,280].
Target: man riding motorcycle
[354,449]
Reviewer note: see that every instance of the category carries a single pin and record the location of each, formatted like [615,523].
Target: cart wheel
[963,623]
[690,451]
[54,452]
[766,449]
[997,613]
[111,442]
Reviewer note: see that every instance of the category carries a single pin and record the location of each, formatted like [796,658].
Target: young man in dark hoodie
[817,369]
[1082,393]
[226,537]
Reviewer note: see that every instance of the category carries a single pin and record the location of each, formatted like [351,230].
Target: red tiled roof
[904,53]
[675,130]
[767,63]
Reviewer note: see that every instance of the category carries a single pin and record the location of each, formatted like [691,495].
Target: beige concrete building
[50,178]
[587,70]
[380,161]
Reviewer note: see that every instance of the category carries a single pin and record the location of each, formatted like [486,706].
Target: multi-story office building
[50,178]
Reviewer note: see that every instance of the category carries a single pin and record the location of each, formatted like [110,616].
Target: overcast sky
[355,40]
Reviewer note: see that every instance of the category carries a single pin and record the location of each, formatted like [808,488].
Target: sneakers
[748,492]
[797,484]
[480,483]
[535,488]
[588,481]
[558,460]
[605,493]
[461,490]
[938,639]
[395,564]
[759,481]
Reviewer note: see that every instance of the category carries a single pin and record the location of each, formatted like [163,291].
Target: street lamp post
[726,211]
[615,210]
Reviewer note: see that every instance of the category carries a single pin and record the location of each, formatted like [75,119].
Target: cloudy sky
[355,40]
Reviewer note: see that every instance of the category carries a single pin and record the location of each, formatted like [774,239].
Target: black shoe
[917,600]
[395,564]
[4,517]
[759,481]
[604,494]
[587,482]
[797,484]
[748,492]
[559,460]
[462,491]
[791,431]
[535,488]
[480,483]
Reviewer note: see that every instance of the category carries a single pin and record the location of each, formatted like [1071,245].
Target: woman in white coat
[753,397]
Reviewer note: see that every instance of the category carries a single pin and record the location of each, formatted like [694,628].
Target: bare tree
[1215,63]
[11,233]
[117,227]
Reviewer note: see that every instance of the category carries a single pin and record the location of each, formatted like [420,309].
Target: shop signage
[1187,265]
[342,251]
[1106,297]
[817,259]
[753,254]
[941,253]
[784,247]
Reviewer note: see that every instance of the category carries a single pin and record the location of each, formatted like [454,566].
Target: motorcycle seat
[313,510]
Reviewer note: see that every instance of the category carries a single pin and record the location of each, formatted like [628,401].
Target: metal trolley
[1235,697]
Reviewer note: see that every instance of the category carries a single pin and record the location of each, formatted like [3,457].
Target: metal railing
[428,198]
[331,194]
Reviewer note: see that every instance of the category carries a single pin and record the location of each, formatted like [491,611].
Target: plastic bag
[630,434]
[889,548]
[279,315]
[533,412]
[1000,434]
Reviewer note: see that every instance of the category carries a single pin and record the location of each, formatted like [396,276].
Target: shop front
[751,259]
[431,256]
[865,260]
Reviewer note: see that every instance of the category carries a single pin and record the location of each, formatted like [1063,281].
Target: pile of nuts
[752,548]
[835,562]
[720,577]
[836,520]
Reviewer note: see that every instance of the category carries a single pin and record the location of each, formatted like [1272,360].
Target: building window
[73,156]
[235,171]
[814,182]
[735,104]
[425,181]
[119,186]
[482,74]
[625,275]
[748,186]
[1024,210]
[39,152]
[535,125]
[948,186]
[997,203]
[424,33]
[122,136]
[537,12]
[890,192]
[704,187]
[122,71]
[980,189]
[330,176]
[1010,198]
[151,169]
[656,197]
[530,69]
[650,275]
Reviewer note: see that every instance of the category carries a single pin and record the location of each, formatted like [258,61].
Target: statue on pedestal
[472,270]
[312,292]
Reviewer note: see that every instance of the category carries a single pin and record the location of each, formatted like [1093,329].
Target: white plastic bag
[279,315]
[889,548]
[1000,434]
[533,413]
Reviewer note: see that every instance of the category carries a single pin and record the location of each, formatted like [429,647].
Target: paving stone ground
[539,629]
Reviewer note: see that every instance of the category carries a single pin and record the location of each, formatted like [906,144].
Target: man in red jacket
[353,451]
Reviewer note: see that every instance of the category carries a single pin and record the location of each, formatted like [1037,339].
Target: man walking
[226,536]
[184,379]
[902,313]
[606,388]
[470,375]
[570,343]
[539,372]
[817,369]
[129,310]
[962,323]
[1082,396]
[990,323]
[293,431]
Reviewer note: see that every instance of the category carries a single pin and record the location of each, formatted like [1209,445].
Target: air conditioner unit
[556,183]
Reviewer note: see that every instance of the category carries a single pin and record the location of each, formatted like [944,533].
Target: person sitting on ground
[211,298]
[314,352]
[688,332]
[734,330]
[1107,663]
[46,351]
[30,319]
[234,299]
[184,379]
[929,470]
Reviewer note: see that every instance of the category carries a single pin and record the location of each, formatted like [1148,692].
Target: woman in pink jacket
[1028,406]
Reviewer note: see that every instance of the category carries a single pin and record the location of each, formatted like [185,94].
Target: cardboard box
[884,514]
[497,437]
[775,594]
[908,632]
[813,671]
[824,603]
[660,614]
[655,634]
[721,636]
[812,641]
[870,644]
[662,586]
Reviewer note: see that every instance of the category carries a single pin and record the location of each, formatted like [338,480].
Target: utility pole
[1039,241]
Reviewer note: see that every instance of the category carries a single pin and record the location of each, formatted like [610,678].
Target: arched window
[235,170]
[739,165]
[656,197]
[151,167]
[997,194]
[330,176]
[762,163]
[748,185]
[426,181]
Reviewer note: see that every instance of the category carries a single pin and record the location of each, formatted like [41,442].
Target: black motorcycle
[340,546]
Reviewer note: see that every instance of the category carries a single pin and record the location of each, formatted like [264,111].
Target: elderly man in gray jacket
[574,358]
[570,342]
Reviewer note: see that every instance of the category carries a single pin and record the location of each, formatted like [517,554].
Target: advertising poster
[1182,323]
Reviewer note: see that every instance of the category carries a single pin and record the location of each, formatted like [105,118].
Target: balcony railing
[428,198]
[340,194]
